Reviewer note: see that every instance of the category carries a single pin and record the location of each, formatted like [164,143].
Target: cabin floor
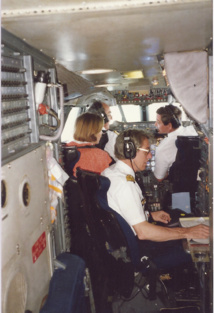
[183,295]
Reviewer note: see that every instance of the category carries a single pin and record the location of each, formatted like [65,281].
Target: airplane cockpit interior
[63,246]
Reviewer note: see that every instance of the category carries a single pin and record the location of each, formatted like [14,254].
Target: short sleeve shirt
[109,147]
[124,195]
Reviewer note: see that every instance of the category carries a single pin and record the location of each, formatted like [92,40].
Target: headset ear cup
[174,117]
[99,108]
[177,121]
[129,150]
[106,120]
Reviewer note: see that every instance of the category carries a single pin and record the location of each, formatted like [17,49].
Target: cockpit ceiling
[120,35]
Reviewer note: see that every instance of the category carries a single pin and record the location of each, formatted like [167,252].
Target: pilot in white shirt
[125,197]
[168,122]
[125,193]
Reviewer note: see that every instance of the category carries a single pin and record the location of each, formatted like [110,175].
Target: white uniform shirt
[124,196]
[109,147]
[165,153]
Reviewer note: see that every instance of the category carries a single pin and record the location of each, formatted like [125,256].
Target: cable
[54,114]
[57,136]
[137,166]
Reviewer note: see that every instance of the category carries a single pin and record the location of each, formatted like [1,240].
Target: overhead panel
[122,35]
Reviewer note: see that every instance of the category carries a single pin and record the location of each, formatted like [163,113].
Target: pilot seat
[183,172]
[132,280]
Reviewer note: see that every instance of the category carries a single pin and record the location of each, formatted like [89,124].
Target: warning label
[38,247]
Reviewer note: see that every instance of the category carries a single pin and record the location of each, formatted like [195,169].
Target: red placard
[38,247]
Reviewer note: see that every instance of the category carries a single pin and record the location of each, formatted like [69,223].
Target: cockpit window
[134,113]
[68,130]
[127,113]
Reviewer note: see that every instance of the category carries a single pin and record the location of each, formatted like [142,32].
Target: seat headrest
[187,142]
[70,157]
[104,184]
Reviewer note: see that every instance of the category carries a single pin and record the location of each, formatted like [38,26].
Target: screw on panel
[18,249]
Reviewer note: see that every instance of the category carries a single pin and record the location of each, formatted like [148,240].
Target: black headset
[175,119]
[97,107]
[129,148]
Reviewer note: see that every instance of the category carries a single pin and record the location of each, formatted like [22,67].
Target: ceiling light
[155,81]
[132,75]
[107,85]
[165,76]
[96,71]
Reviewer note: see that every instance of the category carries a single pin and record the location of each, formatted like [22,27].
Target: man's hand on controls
[198,232]
[161,216]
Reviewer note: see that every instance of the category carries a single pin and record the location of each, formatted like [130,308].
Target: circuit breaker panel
[19,126]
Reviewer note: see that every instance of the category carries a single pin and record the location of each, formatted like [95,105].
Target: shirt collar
[175,132]
[83,142]
[125,168]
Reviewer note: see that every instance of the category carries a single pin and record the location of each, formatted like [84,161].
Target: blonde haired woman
[88,131]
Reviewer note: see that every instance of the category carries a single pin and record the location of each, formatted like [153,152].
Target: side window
[67,134]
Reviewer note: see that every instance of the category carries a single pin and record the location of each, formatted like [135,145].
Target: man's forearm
[147,231]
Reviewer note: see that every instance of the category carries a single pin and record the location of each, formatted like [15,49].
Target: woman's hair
[170,114]
[136,136]
[87,125]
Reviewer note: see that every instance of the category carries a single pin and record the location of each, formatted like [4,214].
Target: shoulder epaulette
[130,178]
[143,201]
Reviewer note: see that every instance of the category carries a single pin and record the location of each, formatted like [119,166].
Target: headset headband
[173,116]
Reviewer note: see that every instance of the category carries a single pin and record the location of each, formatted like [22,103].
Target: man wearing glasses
[132,150]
